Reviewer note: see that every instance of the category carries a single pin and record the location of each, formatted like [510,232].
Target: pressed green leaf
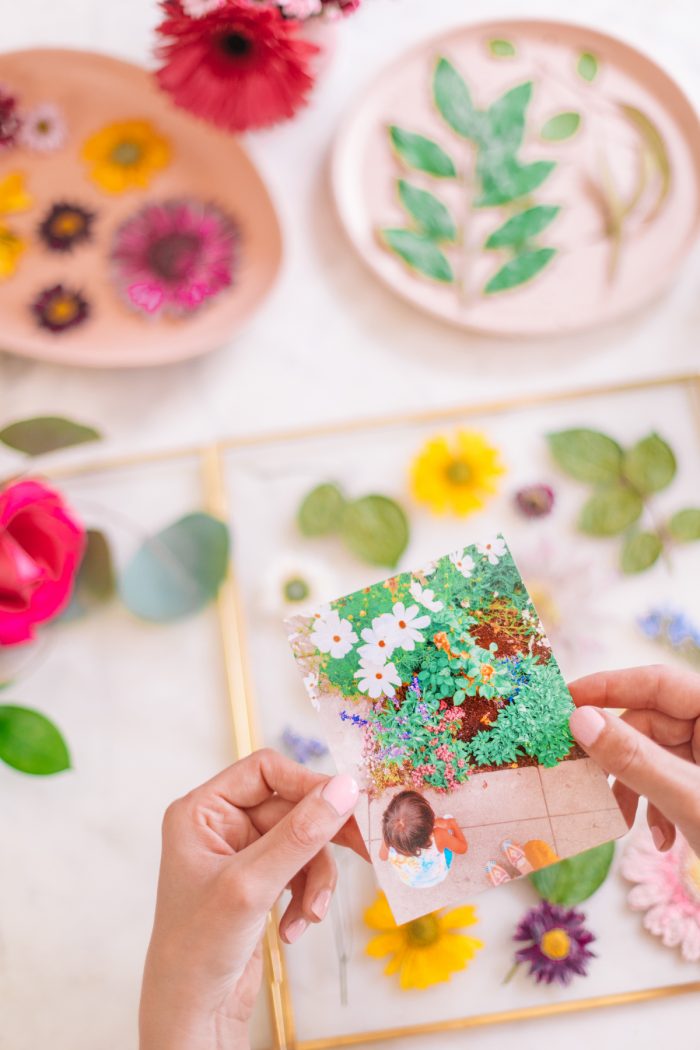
[576,879]
[504,123]
[96,581]
[587,66]
[321,511]
[178,571]
[422,153]
[685,525]
[375,528]
[522,227]
[610,511]
[431,215]
[505,179]
[31,743]
[44,434]
[454,102]
[420,253]
[650,465]
[520,269]
[587,455]
[501,48]
[561,126]
[639,551]
[655,149]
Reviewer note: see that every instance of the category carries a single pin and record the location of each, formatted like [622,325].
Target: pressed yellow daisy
[11,248]
[457,474]
[425,951]
[126,155]
[13,194]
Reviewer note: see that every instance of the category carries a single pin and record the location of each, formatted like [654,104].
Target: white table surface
[330,343]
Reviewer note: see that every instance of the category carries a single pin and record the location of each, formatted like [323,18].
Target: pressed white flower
[378,680]
[492,550]
[425,596]
[428,569]
[301,9]
[403,626]
[312,688]
[43,128]
[333,635]
[379,644]
[463,563]
[292,584]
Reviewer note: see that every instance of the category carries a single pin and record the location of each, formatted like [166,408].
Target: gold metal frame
[239,679]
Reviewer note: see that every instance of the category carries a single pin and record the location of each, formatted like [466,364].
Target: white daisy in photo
[333,635]
[378,645]
[492,550]
[463,563]
[292,583]
[425,596]
[312,687]
[377,680]
[428,569]
[403,625]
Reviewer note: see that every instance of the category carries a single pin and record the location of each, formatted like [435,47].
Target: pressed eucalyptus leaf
[587,66]
[419,152]
[505,120]
[501,48]
[454,101]
[520,269]
[321,511]
[96,581]
[431,215]
[43,434]
[420,253]
[650,465]
[526,224]
[610,511]
[31,743]
[640,551]
[505,179]
[561,126]
[576,879]
[178,571]
[685,525]
[587,455]
[375,528]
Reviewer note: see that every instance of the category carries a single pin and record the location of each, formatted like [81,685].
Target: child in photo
[418,845]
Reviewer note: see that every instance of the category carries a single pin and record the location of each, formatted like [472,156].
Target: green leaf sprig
[374,527]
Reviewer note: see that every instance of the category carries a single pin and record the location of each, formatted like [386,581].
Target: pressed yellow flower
[11,248]
[425,951]
[13,194]
[457,474]
[126,155]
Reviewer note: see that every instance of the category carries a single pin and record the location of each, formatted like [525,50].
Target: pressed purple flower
[59,308]
[65,226]
[303,748]
[10,122]
[556,942]
[535,501]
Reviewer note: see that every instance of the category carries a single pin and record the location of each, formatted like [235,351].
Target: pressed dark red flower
[59,308]
[535,501]
[556,943]
[10,122]
[65,226]
[239,66]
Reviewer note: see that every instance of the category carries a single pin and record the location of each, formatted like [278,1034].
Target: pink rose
[41,545]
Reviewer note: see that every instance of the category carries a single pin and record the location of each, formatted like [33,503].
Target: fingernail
[321,903]
[295,930]
[341,793]
[658,837]
[586,723]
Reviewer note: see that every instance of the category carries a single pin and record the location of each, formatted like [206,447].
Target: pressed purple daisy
[65,226]
[59,308]
[556,943]
[535,501]
[10,122]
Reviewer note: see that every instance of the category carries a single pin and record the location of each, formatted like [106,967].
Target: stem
[467,257]
[658,530]
[511,973]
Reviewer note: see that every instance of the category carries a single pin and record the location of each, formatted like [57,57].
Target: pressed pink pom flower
[668,891]
[10,122]
[43,128]
[173,256]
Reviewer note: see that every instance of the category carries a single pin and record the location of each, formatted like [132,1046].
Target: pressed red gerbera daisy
[10,122]
[59,308]
[239,66]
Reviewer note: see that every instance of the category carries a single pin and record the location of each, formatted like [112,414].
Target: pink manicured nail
[658,837]
[586,723]
[341,793]
[321,903]
[295,930]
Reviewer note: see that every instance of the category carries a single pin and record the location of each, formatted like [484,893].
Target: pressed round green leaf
[685,525]
[31,743]
[501,48]
[640,551]
[587,455]
[610,511]
[321,511]
[650,465]
[576,879]
[561,126]
[522,227]
[454,102]
[419,152]
[375,528]
[420,253]
[431,215]
[505,179]
[587,66]
[520,269]
[96,581]
[44,434]
[178,571]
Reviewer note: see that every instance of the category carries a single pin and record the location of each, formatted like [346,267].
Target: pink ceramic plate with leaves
[522,177]
[130,233]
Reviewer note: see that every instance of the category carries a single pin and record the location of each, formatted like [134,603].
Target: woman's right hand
[652,750]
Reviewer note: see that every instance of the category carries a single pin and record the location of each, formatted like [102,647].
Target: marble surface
[329,343]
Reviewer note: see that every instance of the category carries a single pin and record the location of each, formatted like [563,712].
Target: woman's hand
[652,750]
[230,848]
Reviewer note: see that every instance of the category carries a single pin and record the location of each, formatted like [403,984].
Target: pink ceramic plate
[626,179]
[93,91]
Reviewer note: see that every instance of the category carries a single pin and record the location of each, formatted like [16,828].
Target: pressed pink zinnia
[173,256]
[241,65]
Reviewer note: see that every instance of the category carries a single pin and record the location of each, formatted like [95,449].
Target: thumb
[279,855]
[669,782]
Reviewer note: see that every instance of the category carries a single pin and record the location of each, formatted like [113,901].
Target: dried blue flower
[302,748]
